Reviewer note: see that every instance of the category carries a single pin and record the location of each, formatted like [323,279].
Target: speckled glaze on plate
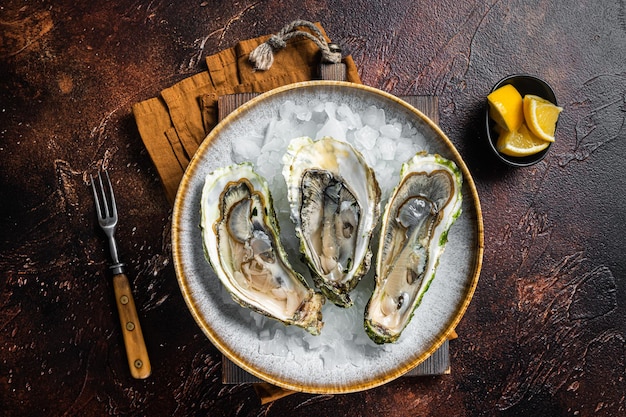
[440,311]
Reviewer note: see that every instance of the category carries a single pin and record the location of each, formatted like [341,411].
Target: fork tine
[105,203]
[95,197]
[112,207]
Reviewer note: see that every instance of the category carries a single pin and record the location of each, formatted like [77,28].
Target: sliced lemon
[522,142]
[506,108]
[541,116]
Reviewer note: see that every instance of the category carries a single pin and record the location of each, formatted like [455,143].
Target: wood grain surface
[545,334]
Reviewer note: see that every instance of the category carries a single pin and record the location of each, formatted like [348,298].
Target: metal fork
[136,351]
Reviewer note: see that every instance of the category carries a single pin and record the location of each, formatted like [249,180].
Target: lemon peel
[521,142]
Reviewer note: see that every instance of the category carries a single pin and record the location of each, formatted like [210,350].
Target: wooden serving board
[439,362]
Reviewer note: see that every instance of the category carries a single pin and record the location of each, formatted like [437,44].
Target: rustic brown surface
[545,334]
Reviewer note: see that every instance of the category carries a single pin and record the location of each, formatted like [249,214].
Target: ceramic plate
[257,344]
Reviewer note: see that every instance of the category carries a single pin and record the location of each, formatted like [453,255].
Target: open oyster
[414,232]
[241,241]
[335,204]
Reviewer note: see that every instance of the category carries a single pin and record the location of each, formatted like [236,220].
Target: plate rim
[212,336]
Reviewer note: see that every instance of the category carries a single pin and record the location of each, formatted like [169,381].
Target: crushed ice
[385,144]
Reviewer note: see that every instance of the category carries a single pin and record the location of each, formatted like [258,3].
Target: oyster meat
[414,231]
[240,236]
[335,203]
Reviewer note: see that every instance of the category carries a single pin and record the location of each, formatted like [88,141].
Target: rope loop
[262,57]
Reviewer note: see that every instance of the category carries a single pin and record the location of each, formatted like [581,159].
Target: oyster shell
[240,235]
[415,226]
[335,203]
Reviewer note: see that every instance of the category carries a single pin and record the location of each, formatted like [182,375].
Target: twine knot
[276,42]
[262,57]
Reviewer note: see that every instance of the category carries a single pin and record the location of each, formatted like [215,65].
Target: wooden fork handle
[136,351]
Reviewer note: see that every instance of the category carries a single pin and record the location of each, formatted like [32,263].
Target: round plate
[229,326]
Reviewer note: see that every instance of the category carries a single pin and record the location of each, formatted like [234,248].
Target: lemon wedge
[520,142]
[541,116]
[506,107]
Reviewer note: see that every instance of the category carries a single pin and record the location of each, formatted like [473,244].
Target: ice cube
[387,148]
[332,128]
[330,108]
[276,144]
[245,150]
[264,334]
[392,131]
[308,128]
[313,342]
[353,120]
[286,109]
[374,117]
[269,132]
[405,149]
[303,113]
[408,130]
[365,138]
[385,174]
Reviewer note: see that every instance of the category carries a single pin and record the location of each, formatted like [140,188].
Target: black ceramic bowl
[525,84]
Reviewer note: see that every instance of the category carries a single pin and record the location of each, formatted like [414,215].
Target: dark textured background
[545,332]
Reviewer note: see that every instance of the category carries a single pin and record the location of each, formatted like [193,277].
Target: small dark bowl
[525,84]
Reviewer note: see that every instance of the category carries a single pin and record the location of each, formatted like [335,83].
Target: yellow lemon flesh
[521,142]
[506,107]
[541,116]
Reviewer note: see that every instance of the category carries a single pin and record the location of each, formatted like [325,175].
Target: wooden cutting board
[439,362]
